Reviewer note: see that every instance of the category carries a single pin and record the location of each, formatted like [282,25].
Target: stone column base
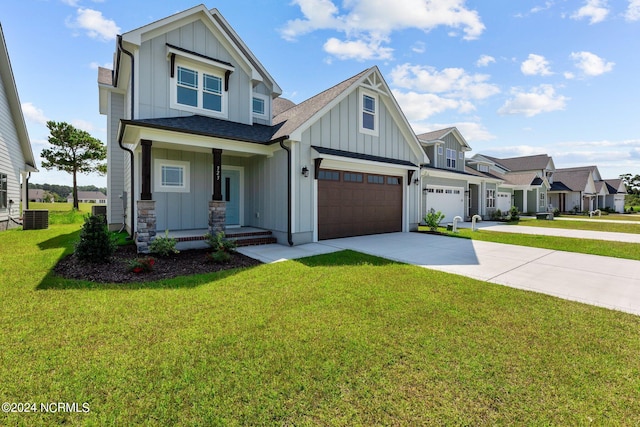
[146,229]
[217,216]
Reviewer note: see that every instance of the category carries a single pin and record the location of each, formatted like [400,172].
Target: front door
[231,195]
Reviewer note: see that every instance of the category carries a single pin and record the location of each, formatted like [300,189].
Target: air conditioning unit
[35,219]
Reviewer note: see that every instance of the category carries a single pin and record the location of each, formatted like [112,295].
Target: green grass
[581,225]
[63,213]
[338,339]
[615,217]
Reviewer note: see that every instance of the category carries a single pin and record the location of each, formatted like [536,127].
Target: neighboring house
[615,194]
[582,189]
[448,185]
[191,133]
[16,155]
[527,179]
[40,196]
[89,197]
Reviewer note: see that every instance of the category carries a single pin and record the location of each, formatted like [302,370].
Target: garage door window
[392,180]
[375,179]
[352,177]
[329,175]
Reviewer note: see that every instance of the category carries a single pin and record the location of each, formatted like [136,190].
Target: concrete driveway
[602,281]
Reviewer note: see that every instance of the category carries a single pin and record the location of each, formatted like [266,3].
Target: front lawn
[592,225]
[338,339]
[567,244]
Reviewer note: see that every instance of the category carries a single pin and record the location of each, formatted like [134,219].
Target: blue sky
[516,77]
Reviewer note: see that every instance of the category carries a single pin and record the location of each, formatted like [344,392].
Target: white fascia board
[359,165]
[134,134]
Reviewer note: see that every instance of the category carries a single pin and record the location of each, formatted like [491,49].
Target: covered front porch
[193,182]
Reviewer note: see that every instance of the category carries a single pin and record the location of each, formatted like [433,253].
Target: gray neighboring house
[582,189]
[526,180]
[195,127]
[448,184]
[16,156]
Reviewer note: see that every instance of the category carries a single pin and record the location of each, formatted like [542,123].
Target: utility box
[35,219]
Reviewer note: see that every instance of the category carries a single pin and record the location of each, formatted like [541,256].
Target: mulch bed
[116,270]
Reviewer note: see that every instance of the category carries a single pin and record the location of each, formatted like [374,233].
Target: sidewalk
[543,231]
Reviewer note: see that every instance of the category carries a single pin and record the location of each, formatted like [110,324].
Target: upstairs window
[368,113]
[483,168]
[258,106]
[451,158]
[199,91]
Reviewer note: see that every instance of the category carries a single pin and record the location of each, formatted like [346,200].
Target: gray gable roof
[280,105]
[613,185]
[105,76]
[297,115]
[435,135]
[575,179]
[525,163]
[209,126]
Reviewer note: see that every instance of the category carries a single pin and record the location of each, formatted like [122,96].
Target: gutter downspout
[131,157]
[288,150]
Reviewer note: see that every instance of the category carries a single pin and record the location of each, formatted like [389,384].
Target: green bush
[164,246]
[96,243]
[222,248]
[433,219]
[514,214]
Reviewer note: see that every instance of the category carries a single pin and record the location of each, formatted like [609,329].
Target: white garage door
[448,200]
[504,202]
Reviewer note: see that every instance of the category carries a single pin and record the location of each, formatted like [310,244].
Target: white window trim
[376,115]
[491,198]
[440,150]
[157,176]
[202,69]
[453,159]
[542,200]
[267,111]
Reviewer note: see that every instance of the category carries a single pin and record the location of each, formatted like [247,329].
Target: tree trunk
[75,192]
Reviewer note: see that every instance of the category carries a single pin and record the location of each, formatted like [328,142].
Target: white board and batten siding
[11,157]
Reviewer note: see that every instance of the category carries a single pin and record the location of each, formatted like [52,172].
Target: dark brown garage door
[354,204]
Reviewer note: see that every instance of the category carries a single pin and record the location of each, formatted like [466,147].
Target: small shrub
[141,265]
[433,219]
[219,257]
[514,214]
[96,243]
[222,247]
[219,243]
[164,246]
[495,215]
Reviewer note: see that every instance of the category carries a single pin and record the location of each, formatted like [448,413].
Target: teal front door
[231,195]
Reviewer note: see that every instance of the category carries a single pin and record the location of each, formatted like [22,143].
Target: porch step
[242,237]
[251,238]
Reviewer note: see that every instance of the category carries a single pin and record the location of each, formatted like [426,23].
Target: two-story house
[193,143]
[16,155]
[527,178]
[582,189]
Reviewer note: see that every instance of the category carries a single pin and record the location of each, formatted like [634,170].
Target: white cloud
[485,60]
[372,22]
[535,65]
[34,114]
[96,25]
[595,10]
[455,82]
[569,75]
[359,50]
[421,106]
[83,125]
[419,47]
[541,99]
[633,11]
[536,9]
[591,64]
